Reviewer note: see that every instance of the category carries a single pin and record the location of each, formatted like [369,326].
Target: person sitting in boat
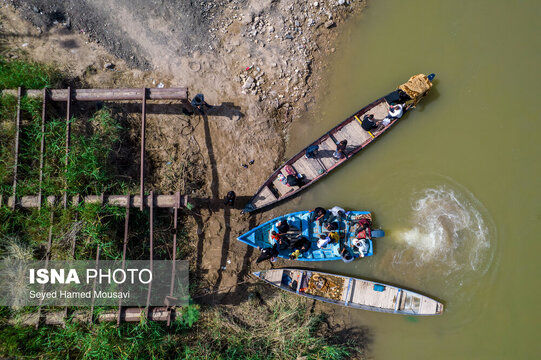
[361,245]
[311,151]
[269,253]
[340,152]
[395,112]
[346,255]
[368,122]
[336,214]
[364,230]
[324,240]
[293,180]
[319,214]
[331,226]
[280,240]
[282,226]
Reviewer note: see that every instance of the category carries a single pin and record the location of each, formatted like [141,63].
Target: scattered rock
[341,2]
[329,24]
[109,66]
[248,83]
[316,4]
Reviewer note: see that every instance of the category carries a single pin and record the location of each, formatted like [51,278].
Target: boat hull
[351,292]
[259,237]
[313,169]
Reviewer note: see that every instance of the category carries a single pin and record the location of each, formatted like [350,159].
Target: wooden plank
[305,168]
[326,149]
[265,196]
[363,293]
[273,276]
[353,133]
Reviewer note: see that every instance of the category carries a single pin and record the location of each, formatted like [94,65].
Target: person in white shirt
[395,112]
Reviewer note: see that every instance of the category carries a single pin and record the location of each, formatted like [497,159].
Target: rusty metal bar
[143,125]
[160,201]
[68,138]
[17,131]
[124,250]
[131,314]
[178,93]
[47,257]
[94,286]
[151,205]
[42,146]
[173,267]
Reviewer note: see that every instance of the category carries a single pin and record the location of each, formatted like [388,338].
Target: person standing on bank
[200,104]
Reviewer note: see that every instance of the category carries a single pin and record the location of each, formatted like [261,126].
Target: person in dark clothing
[345,254]
[200,104]
[293,180]
[369,123]
[311,151]
[280,240]
[300,246]
[267,254]
[230,199]
[283,227]
[331,226]
[340,150]
[319,214]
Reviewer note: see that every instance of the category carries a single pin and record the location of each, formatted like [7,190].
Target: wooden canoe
[313,169]
[259,237]
[351,292]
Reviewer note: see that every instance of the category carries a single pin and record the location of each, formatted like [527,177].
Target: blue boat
[260,236]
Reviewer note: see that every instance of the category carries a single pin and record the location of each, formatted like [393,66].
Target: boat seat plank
[353,133]
[275,277]
[264,197]
[363,293]
[326,149]
[304,167]
[283,189]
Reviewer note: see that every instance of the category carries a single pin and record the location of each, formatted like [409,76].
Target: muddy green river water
[455,184]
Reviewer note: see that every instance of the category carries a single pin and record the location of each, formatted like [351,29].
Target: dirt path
[257,61]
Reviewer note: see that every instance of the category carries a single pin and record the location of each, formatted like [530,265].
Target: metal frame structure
[152,201]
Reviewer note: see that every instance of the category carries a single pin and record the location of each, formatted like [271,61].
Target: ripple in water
[449,234]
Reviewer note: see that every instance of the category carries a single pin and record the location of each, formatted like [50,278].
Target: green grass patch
[27,74]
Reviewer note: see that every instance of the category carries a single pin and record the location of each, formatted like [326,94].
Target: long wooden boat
[259,237]
[314,168]
[351,292]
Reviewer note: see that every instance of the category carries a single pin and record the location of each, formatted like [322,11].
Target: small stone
[289,36]
[274,65]
[329,24]
[316,4]
[109,66]
[341,2]
[270,29]
[160,86]
[333,50]
[248,83]
[36,10]
[297,23]
[24,45]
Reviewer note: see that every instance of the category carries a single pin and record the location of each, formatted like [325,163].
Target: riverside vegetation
[280,328]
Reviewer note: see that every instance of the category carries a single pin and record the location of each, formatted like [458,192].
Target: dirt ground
[257,61]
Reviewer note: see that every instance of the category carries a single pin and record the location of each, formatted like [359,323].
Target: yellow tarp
[416,87]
